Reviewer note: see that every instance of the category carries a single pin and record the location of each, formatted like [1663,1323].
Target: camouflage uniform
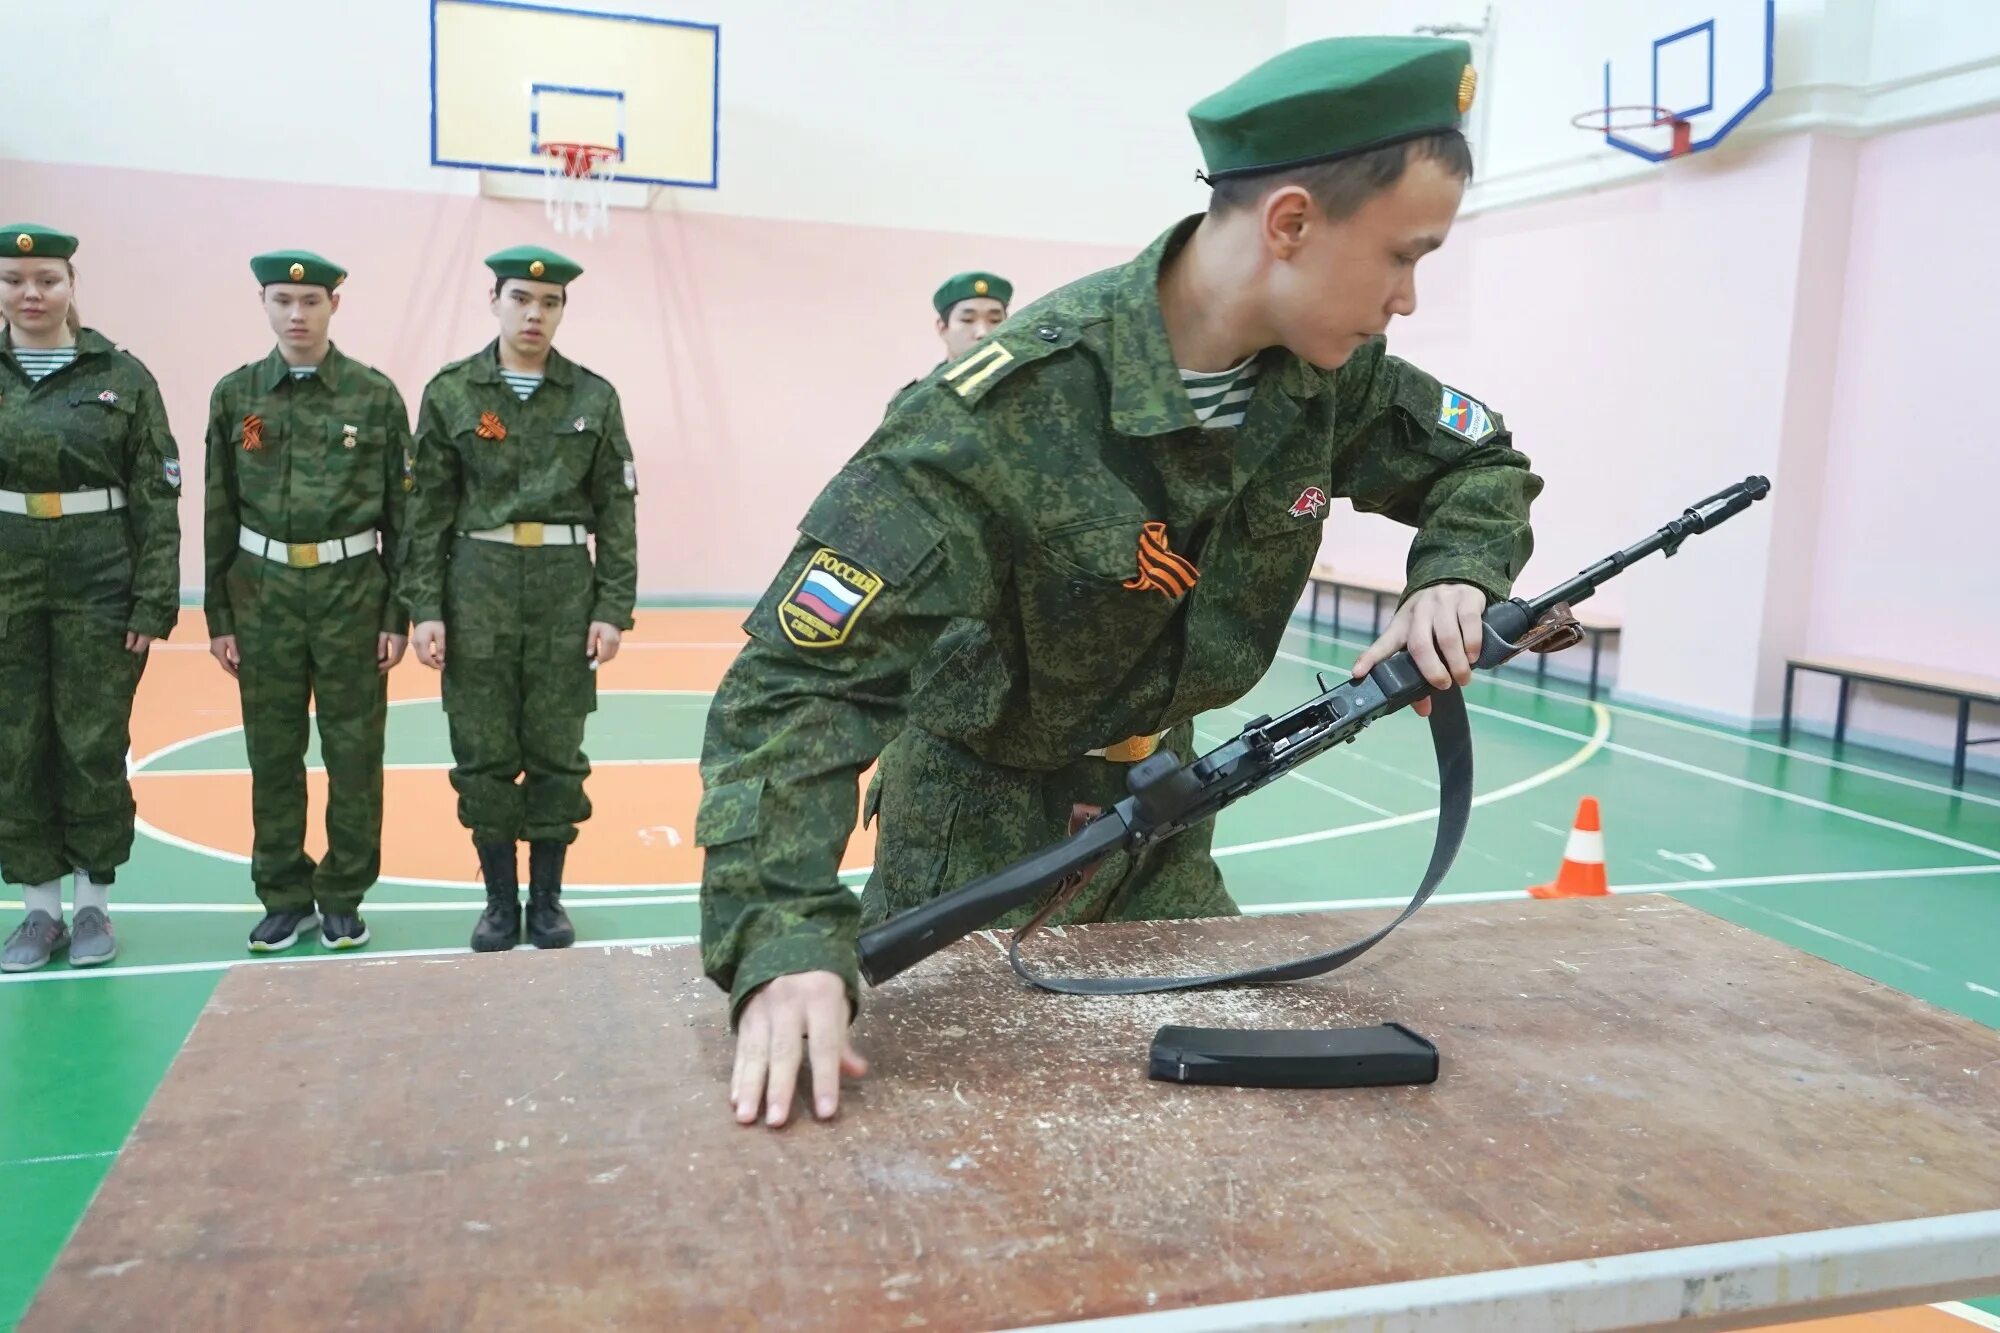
[517,679]
[984,570]
[301,462]
[70,589]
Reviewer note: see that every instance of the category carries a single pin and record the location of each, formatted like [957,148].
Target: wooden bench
[1963,686]
[1596,628]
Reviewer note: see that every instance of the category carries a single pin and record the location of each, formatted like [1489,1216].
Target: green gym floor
[1869,860]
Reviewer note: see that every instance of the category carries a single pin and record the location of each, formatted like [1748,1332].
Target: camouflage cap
[535,264]
[1331,99]
[965,286]
[25,240]
[297,266]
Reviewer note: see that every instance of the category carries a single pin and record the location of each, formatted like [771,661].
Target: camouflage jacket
[97,423]
[559,457]
[303,460]
[989,568]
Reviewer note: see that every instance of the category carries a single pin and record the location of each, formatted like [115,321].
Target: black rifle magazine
[1373,1057]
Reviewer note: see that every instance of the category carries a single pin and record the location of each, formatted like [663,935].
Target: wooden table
[1646,1116]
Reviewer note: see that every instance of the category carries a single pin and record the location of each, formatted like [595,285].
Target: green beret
[297,266]
[1334,98]
[965,286]
[535,264]
[25,240]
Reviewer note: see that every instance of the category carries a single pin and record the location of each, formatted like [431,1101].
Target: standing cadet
[89,577]
[521,456]
[308,456]
[1093,527]
[969,306]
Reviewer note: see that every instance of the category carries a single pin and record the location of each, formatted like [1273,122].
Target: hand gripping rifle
[1168,797]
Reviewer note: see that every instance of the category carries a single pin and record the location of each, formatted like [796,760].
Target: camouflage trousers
[518,688]
[308,643]
[66,687]
[948,817]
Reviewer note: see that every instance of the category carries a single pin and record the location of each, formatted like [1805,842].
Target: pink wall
[1815,309]
[752,356]
[1909,543]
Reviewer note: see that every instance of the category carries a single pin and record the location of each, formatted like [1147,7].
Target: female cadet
[89,577]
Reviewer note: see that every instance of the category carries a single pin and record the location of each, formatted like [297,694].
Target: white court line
[368,909]
[60,1157]
[1250,909]
[175,747]
[1970,1314]
[1668,886]
[1592,744]
[1696,728]
[1822,931]
[622,648]
[440,766]
[1301,775]
[358,956]
[1744,783]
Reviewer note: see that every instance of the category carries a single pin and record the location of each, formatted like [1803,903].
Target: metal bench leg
[1336,608]
[1958,751]
[1840,718]
[1785,726]
[1312,609]
[1596,652]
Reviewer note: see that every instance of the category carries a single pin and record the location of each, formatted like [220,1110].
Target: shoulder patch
[1465,416]
[991,360]
[171,469]
[829,596]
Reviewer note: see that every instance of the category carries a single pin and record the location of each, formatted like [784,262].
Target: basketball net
[576,187]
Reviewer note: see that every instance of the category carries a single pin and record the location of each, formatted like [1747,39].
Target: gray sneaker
[91,943]
[29,947]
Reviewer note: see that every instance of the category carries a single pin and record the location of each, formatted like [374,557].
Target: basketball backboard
[509,79]
[1704,63]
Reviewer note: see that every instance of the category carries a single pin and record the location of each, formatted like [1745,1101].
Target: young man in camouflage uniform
[521,456]
[969,306]
[1093,527]
[308,458]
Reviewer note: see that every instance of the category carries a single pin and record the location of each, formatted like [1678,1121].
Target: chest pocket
[490,467]
[1082,625]
[1289,508]
[350,453]
[564,456]
[99,429]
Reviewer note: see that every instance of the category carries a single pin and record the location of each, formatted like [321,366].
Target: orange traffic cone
[1582,872]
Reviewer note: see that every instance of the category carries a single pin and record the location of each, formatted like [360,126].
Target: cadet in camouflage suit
[89,577]
[308,456]
[521,454]
[1094,526]
[969,306]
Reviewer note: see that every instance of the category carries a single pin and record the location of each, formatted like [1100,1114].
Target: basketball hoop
[1607,120]
[576,186]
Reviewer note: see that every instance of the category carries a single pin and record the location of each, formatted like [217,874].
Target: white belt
[306,555]
[1130,750]
[533,534]
[61,504]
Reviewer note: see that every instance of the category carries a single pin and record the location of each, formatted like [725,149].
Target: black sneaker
[340,930]
[279,931]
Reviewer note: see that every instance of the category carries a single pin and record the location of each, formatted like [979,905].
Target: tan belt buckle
[1132,749]
[528,534]
[302,555]
[47,504]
